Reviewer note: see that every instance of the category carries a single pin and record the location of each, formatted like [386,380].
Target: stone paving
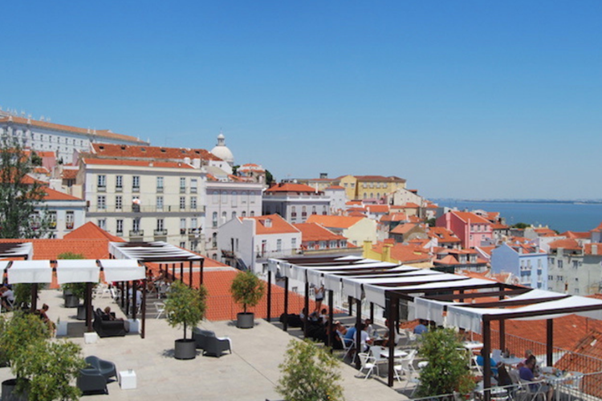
[249,373]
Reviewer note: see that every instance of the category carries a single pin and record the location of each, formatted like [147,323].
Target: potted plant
[23,295]
[50,368]
[15,335]
[247,290]
[306,363]
[185,307]
[446,370]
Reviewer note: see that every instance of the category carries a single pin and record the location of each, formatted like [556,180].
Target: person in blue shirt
[350,335]
[526,373]
[492,363]
[421,328]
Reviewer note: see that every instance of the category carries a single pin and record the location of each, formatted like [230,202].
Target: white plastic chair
[376,351]
[160,306]
[348,345]
[368,364]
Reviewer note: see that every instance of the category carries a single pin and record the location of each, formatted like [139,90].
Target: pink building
[472,230]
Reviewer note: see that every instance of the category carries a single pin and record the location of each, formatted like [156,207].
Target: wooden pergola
[446,299]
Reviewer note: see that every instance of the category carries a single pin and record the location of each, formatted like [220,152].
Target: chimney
[386,255]
[267,223]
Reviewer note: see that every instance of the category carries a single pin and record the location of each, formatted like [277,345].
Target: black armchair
[105,368]
[108,328]
[215,346]
[200,337]
[90,380]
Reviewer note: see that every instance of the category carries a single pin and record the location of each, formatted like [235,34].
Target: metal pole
[285,323]
[358,333]
[269,311]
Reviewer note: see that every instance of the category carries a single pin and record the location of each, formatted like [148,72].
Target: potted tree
[15,335]
[50,368]
[185,307]
[306,363]
[247,290]
[446,370]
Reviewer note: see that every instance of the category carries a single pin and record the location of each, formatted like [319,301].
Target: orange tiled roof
[403,228]
[588,249]
[394,217]
[576,235]
[442,234]
[278,224]
[378,178]
[597,229]
[410,205]
[251,167]
[51,194]
[150,152]
[545,232]
[291,188]
[315,232]
[335,187]
[91,231]
[50,249]
[69,174]
[465,216]
[136,163]
[45,124]
[499,226]
[378,208]
[566,244]
[334,221]
[405,253]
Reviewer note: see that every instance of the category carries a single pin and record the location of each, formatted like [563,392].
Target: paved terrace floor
[249,373]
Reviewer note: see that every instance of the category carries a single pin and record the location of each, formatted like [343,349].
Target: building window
[183,244]
[102,183]
[214,219]
[119,183]
[101,202]
[193,201]
[193,185]
[118,202]
[234,214]
[182,226]
[136,183]
[136,225]
[215,197]
[102,223]
[52,220]
[278,245]
[69,218]
[159,184]
[182,185]
[252,213]
[294,212]
[159,203]
[234,198]
[313,210]
[119,227]
[559,264]
[575,264]
[214,240]
[293,243]
[224,217]
[160,224]
[193,223]
[182,202]
[244,213]
[303,212]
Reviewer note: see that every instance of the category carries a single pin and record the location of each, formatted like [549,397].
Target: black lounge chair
[91,381]
[215,346]
[105,368]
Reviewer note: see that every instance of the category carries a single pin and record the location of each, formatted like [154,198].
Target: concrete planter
[71,301]
[61,329]
[185,349]
[245,320]
[8,394]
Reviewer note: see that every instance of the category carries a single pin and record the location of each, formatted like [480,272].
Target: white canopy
[122,270]
[30,271]
[77,271]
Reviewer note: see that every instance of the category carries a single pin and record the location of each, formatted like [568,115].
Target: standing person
[319,293]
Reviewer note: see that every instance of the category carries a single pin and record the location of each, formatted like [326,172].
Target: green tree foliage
[19,195]
[50,367]
[269,178]
[19,331]
[432,222]
[185,306]
[309,373]
[448,364]
[247,289]
[521,225]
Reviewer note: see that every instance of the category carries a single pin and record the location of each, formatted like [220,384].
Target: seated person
[42,313]
[503,378]
[529,354]
[526,373]
[8,297]
[371,328]
[420,328]
[385,342]
[366,341]
[350,335]
[492,362]
[108,315]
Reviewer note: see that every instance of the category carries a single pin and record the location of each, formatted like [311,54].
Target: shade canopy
[122,270]
[30,271]
[151,252]
[77,271]
[447,299]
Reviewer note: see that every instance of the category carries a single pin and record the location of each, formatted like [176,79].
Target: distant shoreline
[571,202]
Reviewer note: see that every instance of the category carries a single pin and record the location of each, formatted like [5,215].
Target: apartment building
[63,140]
[523,260]
[295,202]
[373,187]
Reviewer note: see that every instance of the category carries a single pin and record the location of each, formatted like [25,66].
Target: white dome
[222,151]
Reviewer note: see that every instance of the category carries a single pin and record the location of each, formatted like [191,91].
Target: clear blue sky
[478,99]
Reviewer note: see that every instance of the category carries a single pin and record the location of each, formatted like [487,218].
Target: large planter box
[71,301]
[245,320]
[8,394]
[185,349]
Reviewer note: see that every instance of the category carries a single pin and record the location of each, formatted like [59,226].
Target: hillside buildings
[295,202]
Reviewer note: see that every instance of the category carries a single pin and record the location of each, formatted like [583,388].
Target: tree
[247,289]
[20,195]
[309,373]
[432,222]
[269,178]
[521,225]
[185,306]
[448,364]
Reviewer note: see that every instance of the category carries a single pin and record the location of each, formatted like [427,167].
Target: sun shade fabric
[77,271]
[17,249]
[149,251]
[30,271]
[122,270]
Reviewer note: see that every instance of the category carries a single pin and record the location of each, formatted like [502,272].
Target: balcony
[69,225]
[146,209]
[119,189]
[182,231]
[182,190]
[193,190]
[101,188]
[136,233]
[136,189]
[159,190]
[160,232]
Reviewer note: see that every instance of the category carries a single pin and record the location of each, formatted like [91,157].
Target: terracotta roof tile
[151,152]
[137,163]
[51,194]
[566,244]
[290,188]
[91,231]
[576,235]
[271,224]
[334,221]
[465,216]
[315,232]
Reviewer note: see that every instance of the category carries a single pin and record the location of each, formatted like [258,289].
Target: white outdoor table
[127,379]
[397,353]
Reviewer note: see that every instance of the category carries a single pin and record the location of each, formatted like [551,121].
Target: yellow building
[358,187]
[398,253]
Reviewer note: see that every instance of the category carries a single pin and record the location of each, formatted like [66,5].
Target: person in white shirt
[8,297]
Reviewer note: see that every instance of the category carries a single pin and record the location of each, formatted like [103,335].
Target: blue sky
[468,99]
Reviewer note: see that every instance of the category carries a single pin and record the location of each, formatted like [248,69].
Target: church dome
[222,151]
